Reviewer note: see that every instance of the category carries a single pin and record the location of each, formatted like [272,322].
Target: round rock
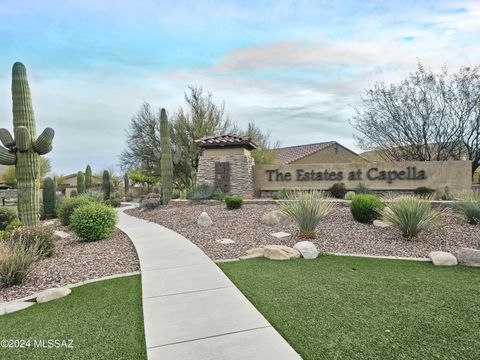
[307,249]
[52,294]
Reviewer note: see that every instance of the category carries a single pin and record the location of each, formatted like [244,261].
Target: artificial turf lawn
[104,319]
[357,308]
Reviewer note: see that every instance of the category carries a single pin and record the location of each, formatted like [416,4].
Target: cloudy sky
[297,68]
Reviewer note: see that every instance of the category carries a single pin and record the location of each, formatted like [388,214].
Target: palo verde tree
[25,149]
[428,116]
[88,178]
[166,162]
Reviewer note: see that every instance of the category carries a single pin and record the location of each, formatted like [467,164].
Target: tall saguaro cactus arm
[24,149]
[166,161]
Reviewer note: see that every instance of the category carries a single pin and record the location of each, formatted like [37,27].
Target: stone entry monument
[226,164]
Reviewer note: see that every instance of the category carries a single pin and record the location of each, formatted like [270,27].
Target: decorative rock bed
[338,233]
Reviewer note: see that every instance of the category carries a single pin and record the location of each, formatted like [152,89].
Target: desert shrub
[411,215]
[349,195]
[281,194]
[15,224]
[41,238]
[129,196]
[233,202]
[96,196]
[176,194]
[201,192]
[306,209]
[68,206]
[469,207]
[446,195]
[93,221]
[364,207]
[424,191]
[7,215]
[16,259]
[337,190]
[362,189]
[73,193]
[115,200]
[218,195]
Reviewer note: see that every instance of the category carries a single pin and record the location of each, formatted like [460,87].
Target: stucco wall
[454,174]
[223,152]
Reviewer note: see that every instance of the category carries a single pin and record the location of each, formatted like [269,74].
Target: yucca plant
[469,207]
[306,209]
[411,215]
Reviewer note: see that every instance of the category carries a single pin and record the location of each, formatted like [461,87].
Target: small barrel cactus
[88,178]
[49,198]
[24,148]
[80,183]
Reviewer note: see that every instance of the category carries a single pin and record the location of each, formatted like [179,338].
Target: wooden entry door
[222,176]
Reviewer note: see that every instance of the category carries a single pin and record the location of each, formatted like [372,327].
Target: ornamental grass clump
[469,207]
[411,215]
[364,207]
[93,222]
[41,238]
[16,259]
[306,209]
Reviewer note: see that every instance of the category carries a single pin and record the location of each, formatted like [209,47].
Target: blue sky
[297,68]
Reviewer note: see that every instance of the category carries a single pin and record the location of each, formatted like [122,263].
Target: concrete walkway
[191,309]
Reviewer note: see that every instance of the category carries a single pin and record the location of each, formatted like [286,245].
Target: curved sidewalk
[192,311]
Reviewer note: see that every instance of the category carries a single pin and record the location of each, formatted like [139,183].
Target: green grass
[357,308]
[104,319]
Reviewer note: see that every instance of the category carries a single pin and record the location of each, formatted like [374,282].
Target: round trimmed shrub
[93,221]
[233,202]
[68,206]
[364,207]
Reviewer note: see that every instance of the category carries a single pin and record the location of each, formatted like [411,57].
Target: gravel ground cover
[75,261]
[339,233]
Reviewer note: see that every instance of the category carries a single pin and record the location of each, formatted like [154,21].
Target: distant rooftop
[227,140]
[290,154]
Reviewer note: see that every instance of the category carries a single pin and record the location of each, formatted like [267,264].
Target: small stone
[275,218]
[16,306]
[225,241]
[380,223]
[61,234]
[280,252]
[307,249]
[469,257]
[281,235]
[441,258]
[204,220]
[52,294]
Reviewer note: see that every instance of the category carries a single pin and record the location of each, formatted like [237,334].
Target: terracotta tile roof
[226,141]
[290,154]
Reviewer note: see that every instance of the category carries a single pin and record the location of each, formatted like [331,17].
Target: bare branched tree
[428,116]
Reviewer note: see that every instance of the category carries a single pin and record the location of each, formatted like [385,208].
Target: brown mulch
[338,233]
[75,261]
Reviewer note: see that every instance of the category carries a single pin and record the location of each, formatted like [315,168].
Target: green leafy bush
[73,193]
[41,238]
[338,190]
[364,207]
[306,209]
[349,195]
[96,196]
[218,195]
[68,206]
[411,215]
[233,202]
[201,192]
[93,221]
[7,215]
[424,191]
[16,259]
[15,224]
[129,196]
[115,200]
[469,207]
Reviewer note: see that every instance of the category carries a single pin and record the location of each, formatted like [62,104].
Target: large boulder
[275,218]
[441,258]
[469,257]
[204,220]
[280,252]
[52,294]
[307,249]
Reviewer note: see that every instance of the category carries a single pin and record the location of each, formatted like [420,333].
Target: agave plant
[306,209]
[469,207]
[411,215]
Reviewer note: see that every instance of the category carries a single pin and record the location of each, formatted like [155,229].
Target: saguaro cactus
[88,178]
[80,183]
[106,188]
[126,182]
[166,162]
[25,149]
[48,198]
